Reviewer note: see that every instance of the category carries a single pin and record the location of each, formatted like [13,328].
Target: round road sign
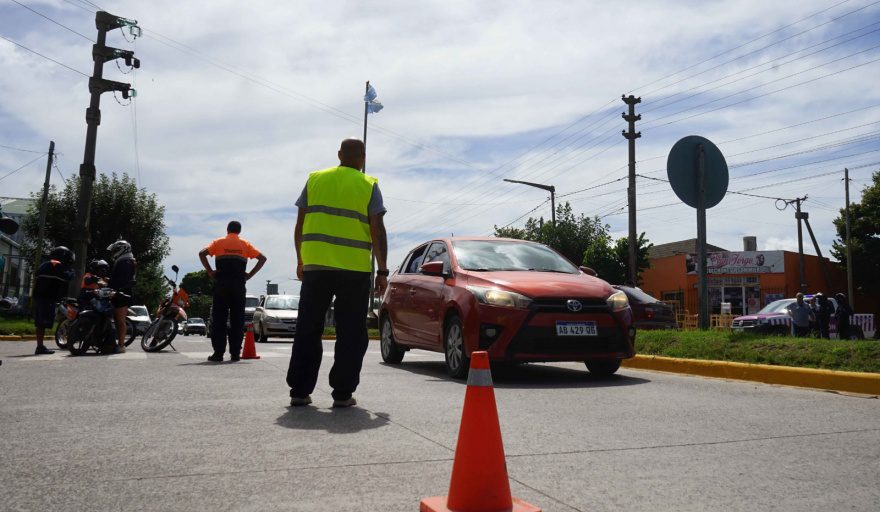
[682,166]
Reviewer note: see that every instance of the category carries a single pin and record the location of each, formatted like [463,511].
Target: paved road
[170,431]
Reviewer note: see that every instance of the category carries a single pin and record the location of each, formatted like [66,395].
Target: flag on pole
[373,106]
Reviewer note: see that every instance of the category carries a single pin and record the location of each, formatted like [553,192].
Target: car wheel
[391,351]
[457,362]
[603,367]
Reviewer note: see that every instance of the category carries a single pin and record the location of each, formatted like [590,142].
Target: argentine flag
[373,106]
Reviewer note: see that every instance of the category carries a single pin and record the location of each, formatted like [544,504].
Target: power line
[22,149]
[43,56]
[10,173]
[55,22]
[527,213]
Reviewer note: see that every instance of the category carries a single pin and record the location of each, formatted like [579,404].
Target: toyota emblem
[574,305]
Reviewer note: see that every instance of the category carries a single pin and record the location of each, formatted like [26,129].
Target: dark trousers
[319,287]
[228,304]
[800,332]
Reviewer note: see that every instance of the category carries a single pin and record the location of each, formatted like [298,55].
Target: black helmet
[99,268]
[62,254]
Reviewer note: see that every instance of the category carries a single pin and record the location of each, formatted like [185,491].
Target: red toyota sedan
[517,300]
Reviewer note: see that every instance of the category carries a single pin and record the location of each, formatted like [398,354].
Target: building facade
[15,272]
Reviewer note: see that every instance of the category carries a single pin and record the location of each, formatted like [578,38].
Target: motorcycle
[94,327]
[164,328]
[66,313]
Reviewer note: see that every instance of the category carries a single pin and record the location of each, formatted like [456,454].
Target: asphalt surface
[170,431]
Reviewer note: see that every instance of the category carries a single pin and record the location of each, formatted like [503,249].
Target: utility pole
[43,206]
[799,216]
[101,53]
[849,269]
[631,136]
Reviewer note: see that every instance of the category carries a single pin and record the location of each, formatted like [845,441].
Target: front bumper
[530,334]
[282,329]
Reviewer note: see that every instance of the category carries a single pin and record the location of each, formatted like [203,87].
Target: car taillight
[650,314]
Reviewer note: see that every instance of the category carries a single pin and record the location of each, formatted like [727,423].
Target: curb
[852,382]
[5,337]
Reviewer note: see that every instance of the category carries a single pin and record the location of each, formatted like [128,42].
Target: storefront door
[734,295]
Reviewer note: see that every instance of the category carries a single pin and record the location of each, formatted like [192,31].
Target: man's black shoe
[234,357]
[215,358]
[42,350]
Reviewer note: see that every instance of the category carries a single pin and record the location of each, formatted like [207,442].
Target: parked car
[140,317]
[517,300]
[276,317]
[648,312]
[773,319]
[194,325]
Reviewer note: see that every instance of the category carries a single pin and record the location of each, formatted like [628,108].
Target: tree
[864,220]
[582,240]
[200,288]
[119,210]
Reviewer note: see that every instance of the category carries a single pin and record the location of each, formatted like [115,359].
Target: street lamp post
[549,188]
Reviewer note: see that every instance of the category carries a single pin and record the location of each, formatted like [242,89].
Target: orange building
[747,280]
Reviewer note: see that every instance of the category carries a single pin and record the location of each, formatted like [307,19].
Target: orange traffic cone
[479,473]
[250,349]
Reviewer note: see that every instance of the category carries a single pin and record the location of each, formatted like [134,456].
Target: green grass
[17,326]
[331,331]
[857,356]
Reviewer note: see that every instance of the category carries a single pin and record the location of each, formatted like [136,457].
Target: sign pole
[701,238]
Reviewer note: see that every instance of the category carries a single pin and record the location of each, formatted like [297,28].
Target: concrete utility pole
[849,267]
[631,136]
[799,216]
[101,53]
[43,206]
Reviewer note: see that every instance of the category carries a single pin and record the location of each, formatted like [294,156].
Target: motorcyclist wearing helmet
[50,286]
[94,278]
[122,278]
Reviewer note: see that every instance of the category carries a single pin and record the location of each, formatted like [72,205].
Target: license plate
[576,329]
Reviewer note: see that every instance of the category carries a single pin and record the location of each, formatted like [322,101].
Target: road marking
[128,355]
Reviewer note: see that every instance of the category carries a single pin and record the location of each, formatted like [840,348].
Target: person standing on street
[801,316]
[340,221]
[231,254]
[843,314]
[824,310]
[122,279]
[51,283]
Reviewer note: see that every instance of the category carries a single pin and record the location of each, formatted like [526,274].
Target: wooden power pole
[631,135]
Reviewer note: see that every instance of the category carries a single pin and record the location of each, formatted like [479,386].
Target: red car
[517,300]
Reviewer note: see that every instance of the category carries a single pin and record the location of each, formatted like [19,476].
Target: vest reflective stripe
[336,229]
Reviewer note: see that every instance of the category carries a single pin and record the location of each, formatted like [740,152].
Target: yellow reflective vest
[336,229]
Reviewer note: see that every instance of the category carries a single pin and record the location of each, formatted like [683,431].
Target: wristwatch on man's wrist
[382,272]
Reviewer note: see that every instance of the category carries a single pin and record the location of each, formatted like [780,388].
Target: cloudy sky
[238,101]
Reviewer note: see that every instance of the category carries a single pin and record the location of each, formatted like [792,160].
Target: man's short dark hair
[233,227]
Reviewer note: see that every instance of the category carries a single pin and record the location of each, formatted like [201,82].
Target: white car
[140,316]
[276,317]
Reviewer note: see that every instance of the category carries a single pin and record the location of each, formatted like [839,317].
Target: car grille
[561,305]
[543,340]
[288,320]
[743,323]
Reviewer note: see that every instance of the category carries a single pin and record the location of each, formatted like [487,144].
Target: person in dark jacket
[122,278]
[843,313]
[50,286]
[824,310]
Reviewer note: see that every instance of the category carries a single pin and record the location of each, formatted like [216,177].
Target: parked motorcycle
[67,312]
[94,327]
[164,328]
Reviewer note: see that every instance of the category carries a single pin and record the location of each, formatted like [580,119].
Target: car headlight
[496,297]
[617,301]
[272,319]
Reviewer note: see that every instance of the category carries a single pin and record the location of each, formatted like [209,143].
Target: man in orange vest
[231,254]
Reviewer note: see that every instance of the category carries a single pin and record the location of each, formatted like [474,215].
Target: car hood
[760,316]
[195,324]
[544,284]
[140,319]
[281,313]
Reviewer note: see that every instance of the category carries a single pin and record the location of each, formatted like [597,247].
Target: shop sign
[742,262]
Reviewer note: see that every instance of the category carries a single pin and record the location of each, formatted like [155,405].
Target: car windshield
[282,302]
[138,310]
[777,306]
[487,255]
[196,321]
[251,302]
[636,295]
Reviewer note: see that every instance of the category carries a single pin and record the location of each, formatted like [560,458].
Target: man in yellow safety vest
[338,226]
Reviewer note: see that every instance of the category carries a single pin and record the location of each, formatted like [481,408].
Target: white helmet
[119,248]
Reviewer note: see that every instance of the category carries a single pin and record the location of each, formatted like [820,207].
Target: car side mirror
[589,271]
[433,268]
